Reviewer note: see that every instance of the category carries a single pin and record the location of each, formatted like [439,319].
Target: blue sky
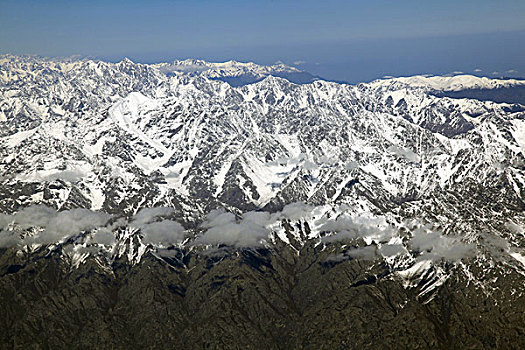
[346,40]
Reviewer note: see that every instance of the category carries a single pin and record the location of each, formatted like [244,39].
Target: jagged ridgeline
[233,205]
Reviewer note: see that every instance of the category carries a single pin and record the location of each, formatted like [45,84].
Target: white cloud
[104,236]
[50,226]
[296,211]
[351,165]
[239,234]
[364,253]
[370,229]
[35,215]
[389,250]
[156,230]
[147,215]
[223,228]
[9,238]
[404,152]
[218,217]
[261,218]
[162,233]
[513,227]
[62,225]
[4,220]
[433,245]
[308,165]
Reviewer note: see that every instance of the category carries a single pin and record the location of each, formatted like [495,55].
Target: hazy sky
[347,40]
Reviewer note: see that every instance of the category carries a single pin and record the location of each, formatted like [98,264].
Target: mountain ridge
[111,167]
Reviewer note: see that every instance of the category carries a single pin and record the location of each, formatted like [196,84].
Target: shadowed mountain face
[512,95]
[274,299]
[158,206]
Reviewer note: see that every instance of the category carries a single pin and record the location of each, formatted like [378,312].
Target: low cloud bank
[391,250]
[148,215]
[251,229]
[104,236]
[364,253]
[382,238]
[369,228]
[155,229]
[434,245]
[39,224]
[223,228]
[154,226]
[296,211]
[49,225]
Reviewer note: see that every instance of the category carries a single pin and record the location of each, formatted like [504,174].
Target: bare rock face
[158,206]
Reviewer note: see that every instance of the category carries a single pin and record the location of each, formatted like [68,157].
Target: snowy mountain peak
[126,61]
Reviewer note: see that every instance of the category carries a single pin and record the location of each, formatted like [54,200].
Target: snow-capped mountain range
[222,69]
[451,83]
[419,181]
